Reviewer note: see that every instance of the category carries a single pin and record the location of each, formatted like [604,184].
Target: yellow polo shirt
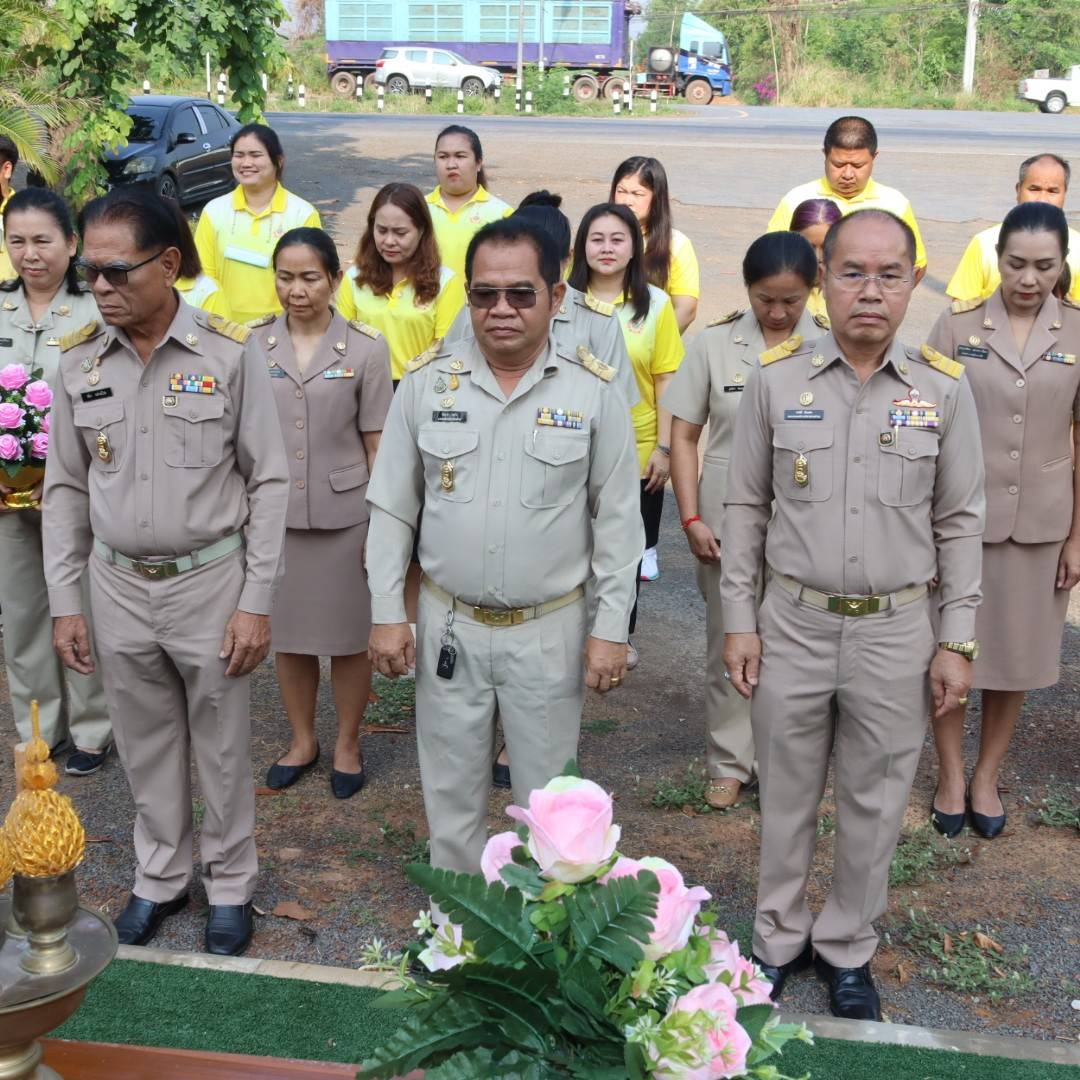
[655,348]
[454,229]
[236,247]
[874,196]
[204,292]
[6,269]
[409,327]
[976,277]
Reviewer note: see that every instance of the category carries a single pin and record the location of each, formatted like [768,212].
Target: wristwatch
[969,649]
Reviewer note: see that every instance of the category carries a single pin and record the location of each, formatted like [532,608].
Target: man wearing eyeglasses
[167,477]
[520,454]
[869,453]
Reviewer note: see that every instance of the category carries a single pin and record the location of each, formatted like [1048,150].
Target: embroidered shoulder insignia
[958,307]
[731,316]
[363,327]
[429,354]
[227,328]
[597,367]
[940,362]
[77,337]
[601,307]
[263,320]
[779,352]
[822,321]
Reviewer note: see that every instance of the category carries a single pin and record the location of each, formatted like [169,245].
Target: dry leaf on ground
[290,909]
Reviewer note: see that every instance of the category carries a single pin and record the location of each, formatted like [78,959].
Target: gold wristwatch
[968,649]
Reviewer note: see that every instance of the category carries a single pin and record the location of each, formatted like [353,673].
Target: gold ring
[615,680]
[961,701]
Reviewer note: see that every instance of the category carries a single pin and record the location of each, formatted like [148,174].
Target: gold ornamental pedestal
[22,484]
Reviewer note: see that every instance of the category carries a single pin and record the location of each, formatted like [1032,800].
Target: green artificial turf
[192,1009]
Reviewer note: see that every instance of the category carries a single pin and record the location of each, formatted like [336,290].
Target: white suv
[402,69]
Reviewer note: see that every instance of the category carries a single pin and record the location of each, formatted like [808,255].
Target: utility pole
[540,37]
[521,43]
[969,45]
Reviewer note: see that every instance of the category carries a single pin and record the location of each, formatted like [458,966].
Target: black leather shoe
[345,785]
[280,776]
[947,824]
[778,975]
[852,994]
[139,921]
[500,775]
[229,928]
[986,826]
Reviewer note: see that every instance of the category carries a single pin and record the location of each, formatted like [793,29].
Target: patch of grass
[674,794]
[604,726]
[398,843]
[922,853]
[968,961]
[397,702]
[826,825]
[1059,808]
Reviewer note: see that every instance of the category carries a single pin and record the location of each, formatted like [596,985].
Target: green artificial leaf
[554,889]
[490,916]
[470,1064]
[547,917]
[614,920]
[407,997]
[522,877]
[571,769]
[585,989]
[753,1018]
[635,1061]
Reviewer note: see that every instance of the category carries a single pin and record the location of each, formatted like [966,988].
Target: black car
[178,144]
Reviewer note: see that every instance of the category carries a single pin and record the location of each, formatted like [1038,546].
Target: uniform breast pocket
[803,461]
[195,431]
[451,462]
[555,468]
[102,426]
[907,467]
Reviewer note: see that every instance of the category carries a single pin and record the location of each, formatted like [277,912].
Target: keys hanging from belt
[447,654]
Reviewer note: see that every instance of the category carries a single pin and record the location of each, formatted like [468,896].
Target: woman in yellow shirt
[811,220]
[609,265]
[237,233]
[195,288]
[396,282]
[460,204]
[670,263]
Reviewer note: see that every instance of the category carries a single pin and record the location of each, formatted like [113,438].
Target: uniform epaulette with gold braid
[940,362]
[731,316]
[595,365]
[363,327]
[601,307]
[429,354]
[234,331]
[1070,303]
[822,321]
[262,320]
[77,337]
[958,307]
[781,351]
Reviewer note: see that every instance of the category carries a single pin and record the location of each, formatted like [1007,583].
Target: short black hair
[832,237]
[513,230]
[1025,166]
[780,253]
[154,223]
[271,144]
[851,133]
[542,208]
[9,152]
[190,263]
[1035,217]
[318,241]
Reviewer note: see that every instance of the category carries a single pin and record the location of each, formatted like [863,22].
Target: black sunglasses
[518,297]
[114,275]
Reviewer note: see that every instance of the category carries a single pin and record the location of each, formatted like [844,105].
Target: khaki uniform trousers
[170,699]
[729,740]
[532,676]
[858,687]
[68,703]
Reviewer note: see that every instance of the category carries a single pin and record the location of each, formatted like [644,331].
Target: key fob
[447,659]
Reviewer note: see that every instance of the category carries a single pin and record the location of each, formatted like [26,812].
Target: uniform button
[145,476]
[144,429]
[144,524]
[802,446]
[857,459]
[1013,489]
[500,457]
[299,423]
[493,548]
[192,413]
[854,509]
[557,455]
[853,558]
[911,451]
[299,393]
[1020,382]
[98,421]
[445,449]
[143,385]
[299,455]
[861,409]
[1014,454]
[1018,419]
[301,485]
[496,502]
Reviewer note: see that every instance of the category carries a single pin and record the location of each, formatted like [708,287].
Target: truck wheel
[586,88]
[369,83]
[397,84]
[343,83]
[698,92]
[1056,102]
[611,85]
[472,87]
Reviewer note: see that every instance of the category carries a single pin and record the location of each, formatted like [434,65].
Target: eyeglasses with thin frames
[854,281]
[518,297]
[115,275]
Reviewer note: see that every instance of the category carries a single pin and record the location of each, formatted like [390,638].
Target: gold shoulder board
[77,337]
[596,366]
[822,321]
[731,316]
[960,306]
[263,320]
[940,362]
[227,328]
[779,352]
[600,306]
[363,327]
[429,354]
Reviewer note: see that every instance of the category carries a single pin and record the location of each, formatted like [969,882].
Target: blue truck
[699,69]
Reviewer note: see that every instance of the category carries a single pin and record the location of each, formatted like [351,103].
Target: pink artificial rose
[676,909]
[11,416]
[38,395]
[10,448]
[39,444]
[726,1042]
[46,423]
[570,832]
[14,377]
[497,853]
[740,975]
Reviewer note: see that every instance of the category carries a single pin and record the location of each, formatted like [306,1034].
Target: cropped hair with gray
[153,223]
[832,237]
[851,133]
[1066,168]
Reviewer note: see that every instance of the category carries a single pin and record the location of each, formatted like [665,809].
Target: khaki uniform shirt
[1027,403]
[37,345]
[517,511]
[879,507]
[153,471]
[344,391]
[709,386]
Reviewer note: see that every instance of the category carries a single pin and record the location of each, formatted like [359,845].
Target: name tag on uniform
[276,372]
[243,255]
[804,414]
[734,389]
[972,352]
[6,343]
[339,373]
[449,416]
[1060,357]
[96,395]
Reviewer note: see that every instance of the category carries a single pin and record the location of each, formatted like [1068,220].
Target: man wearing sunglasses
[520,454]
[167,476]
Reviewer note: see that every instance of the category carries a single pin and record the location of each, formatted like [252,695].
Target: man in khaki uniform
[522,458]
[167,475]
[870,455]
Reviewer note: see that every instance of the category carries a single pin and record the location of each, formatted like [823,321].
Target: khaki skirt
[323,607]
[1022,617]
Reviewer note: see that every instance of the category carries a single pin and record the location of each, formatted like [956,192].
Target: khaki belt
[156,569]
[502,616]
[848,605]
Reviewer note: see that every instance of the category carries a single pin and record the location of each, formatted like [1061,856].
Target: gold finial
[38,771]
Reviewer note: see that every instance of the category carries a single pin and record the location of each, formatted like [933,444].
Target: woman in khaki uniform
[779,271]
[40,306]
[331,380]
[1020,348]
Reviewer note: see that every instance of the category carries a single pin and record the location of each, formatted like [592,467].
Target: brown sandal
[723,792]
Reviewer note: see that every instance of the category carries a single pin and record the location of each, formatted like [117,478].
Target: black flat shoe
[500,775]
[280,776]
[852,994]
[345,785]
[947,824]
[139,921]
[229,928]
[986,826]
[778,975]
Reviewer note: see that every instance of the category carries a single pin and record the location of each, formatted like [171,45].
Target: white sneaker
[650,568]
[631,656]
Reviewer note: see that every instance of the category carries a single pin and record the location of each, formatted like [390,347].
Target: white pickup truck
[1052,95]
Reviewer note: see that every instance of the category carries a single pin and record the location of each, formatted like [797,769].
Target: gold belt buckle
[499,616]
[854,605]
[154,571]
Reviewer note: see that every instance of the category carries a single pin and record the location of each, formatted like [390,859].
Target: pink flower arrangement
[13,377]
[498,851]
[740,975]
[39,444]
[11,416]
[38,395]
[25,418]
[10,447]
[725,1043]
